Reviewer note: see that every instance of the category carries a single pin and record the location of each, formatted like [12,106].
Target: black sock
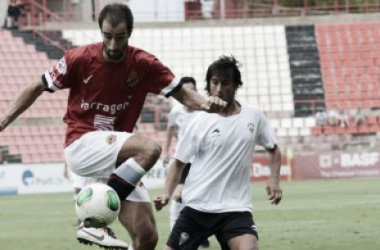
[122,188]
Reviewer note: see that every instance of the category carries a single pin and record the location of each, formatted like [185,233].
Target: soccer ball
[97,205]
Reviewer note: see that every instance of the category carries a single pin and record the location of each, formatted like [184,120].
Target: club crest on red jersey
[111,139]
[132,80]
[62,66]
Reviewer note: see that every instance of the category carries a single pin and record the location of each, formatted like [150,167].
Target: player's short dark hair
[225,67]
[115,14]
[188,80]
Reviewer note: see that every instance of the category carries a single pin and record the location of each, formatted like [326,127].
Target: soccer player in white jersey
[179,118]
[108,83]
[217,195]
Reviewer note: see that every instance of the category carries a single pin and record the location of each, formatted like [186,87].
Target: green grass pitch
[313,215]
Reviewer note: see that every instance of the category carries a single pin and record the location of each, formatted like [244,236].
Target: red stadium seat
[373,128]
[316,131]
[327,130]
[340,130]
[362,129]
[372,119]
[351,52]
[352,130]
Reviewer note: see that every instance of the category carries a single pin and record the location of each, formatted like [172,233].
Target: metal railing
[38,13]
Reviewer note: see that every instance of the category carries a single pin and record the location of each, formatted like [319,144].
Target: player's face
[223,87]
[115,40]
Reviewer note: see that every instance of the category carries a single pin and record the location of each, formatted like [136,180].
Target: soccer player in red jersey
[108,83]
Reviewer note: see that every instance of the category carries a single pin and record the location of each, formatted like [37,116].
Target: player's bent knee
[147,146]
[155,150]
[145,151]
[151,153]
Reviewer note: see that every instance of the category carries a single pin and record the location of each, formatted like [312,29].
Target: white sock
[130,171]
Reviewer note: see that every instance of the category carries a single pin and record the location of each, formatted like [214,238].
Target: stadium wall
[32,178]
[337,165]
[48,178]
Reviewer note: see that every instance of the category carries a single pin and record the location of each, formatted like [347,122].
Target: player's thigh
[95,153]
[243,242]
[138,218]
[141,148]
[238,227]
[191,229]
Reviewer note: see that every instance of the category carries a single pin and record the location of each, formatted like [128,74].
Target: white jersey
[222,147]
[180,117]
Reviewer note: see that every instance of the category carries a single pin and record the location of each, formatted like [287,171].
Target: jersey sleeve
[162,80]
[184,174]
[188,143]
[60,75]
[265,133]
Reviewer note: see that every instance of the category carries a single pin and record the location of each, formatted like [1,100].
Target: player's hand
[160,201]
[214,105]
[177,194]
[274,190]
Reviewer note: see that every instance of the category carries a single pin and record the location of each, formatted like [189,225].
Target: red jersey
[106,96]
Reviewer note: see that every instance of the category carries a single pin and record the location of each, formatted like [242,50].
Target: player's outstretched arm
[177,194]
[171,182]
[169,136]
[23,101]
[273,188]
[196,101]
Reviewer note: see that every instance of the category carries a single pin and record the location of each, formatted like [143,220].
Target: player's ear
[129,33]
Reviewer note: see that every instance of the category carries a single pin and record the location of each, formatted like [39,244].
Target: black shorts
[193,227]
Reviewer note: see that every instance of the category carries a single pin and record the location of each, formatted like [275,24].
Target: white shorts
[95,154]
[80,182]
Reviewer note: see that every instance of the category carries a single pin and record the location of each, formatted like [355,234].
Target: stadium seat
[298,122]
[363,128]
[373,128]
[305,132]
[352,130]
[282,132]
[328,130]
[372,119]
[317,131]
[340,130]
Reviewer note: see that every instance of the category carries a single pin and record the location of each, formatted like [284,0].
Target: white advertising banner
[33,178]
[48,178]
[155,178]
